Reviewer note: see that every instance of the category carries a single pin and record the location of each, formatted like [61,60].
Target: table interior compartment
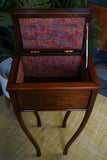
[64,68]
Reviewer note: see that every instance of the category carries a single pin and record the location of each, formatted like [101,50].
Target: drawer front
[53,99]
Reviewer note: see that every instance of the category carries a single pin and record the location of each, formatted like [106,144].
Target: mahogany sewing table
[52,69]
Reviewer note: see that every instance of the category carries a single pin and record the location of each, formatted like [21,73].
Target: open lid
[51,29]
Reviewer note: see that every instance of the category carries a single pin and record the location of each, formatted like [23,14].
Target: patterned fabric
[49,66]
[20,75]
[52,33]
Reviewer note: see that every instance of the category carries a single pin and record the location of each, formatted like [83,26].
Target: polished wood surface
[56,99]
[65,119]
[38,119]
[52,95]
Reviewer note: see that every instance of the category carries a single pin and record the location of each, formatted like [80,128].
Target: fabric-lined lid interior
[52,33]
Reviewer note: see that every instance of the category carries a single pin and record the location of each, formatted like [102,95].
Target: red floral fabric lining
[48,66]
[52,33]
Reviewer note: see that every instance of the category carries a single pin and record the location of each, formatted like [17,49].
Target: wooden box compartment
[49,69]
[39,90]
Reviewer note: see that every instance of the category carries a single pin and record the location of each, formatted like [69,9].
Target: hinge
[34,52]
[69,51]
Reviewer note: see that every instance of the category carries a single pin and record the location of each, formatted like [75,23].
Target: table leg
[83,123]
[65,119]
[38,119]
[21,122]
[87,114]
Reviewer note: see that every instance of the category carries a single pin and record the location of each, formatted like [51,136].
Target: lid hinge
[34,52]
[69,51]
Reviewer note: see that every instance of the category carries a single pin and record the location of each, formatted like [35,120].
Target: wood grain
[53,99]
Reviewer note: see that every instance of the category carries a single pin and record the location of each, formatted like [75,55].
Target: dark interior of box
[51,69]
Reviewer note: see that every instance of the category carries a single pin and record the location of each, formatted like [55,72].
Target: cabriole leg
[65,119]
[83,123]
[21,122]
[38,119]
[87,114]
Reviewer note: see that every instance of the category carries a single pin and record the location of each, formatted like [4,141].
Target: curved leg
[65,119]
[21,122]
[83,123]
[86,117]
[38,119]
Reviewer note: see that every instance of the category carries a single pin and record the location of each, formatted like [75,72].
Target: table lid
[40,30]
